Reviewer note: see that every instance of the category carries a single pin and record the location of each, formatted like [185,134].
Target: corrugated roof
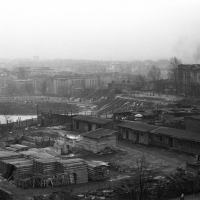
[92,119]
[99,133]
[177,133]
[138,126]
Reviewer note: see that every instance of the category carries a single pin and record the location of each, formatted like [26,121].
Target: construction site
[106,153]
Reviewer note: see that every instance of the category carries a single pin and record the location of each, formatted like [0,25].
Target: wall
[144,138]
[131,134]
[159,140]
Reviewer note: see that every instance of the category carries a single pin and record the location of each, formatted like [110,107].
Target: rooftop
[177,133]
[99,133]
[193,117]
[92,119]
[138,126]
[189,66]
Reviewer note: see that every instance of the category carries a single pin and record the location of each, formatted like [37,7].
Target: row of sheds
[177,139]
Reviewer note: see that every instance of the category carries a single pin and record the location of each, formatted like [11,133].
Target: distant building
[189,79]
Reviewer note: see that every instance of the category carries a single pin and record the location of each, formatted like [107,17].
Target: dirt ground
[164,160]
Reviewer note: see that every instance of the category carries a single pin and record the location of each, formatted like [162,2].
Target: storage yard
[50,172]
[66,151]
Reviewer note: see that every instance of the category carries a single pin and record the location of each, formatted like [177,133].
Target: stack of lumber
[24,167]
[96,170]
[19,147]
[19,165]
[35,155]
[4,155]
[29,144]
[11,149]
[74,166]
[46,166]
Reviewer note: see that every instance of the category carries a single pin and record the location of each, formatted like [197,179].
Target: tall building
[189,79]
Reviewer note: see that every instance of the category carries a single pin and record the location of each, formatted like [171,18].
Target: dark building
[188,79]
[90,123]
[137,132]
[177,139]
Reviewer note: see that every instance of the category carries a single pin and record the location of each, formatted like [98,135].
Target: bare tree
[173,71]
[143,179]
[154,74]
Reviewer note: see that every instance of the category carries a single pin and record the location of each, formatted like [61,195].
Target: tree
[141,79]
[173,71]
[154,74]
[143,178]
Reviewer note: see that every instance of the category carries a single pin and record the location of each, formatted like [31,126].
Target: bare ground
[164,160]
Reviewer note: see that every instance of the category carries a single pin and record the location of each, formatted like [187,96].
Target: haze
[99,29]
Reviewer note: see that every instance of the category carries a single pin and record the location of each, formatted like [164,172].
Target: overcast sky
[99,29]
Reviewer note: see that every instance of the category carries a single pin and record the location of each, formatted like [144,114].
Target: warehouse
[91,123]
[97,140]
[135,131]
[186,141]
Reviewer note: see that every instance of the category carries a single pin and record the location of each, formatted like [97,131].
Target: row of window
[189,144]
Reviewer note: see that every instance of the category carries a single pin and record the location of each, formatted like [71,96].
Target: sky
[100,29]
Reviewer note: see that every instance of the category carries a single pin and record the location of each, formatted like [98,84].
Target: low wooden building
[135,131]
[97,140]
[90,123]
[177,139]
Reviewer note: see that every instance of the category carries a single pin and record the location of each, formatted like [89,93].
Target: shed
[177,139]
[91,123]
[136,131]
[97,140]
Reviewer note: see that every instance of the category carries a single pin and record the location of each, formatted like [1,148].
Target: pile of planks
[76,168]
[19,165]
[46,166]
[24,167]
[5,155]
[96,170]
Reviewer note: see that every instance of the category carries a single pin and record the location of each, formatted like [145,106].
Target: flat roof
[178,133]
[138,126]
[194,117]
[92,119]
[99,133]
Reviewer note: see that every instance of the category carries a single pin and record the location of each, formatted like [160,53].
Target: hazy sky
[99,29]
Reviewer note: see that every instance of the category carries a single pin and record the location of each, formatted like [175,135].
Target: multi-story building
[189,79]
[92,81]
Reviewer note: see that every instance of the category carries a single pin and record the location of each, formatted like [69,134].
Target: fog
[100,29]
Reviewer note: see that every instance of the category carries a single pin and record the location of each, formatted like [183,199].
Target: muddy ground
[163,160]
